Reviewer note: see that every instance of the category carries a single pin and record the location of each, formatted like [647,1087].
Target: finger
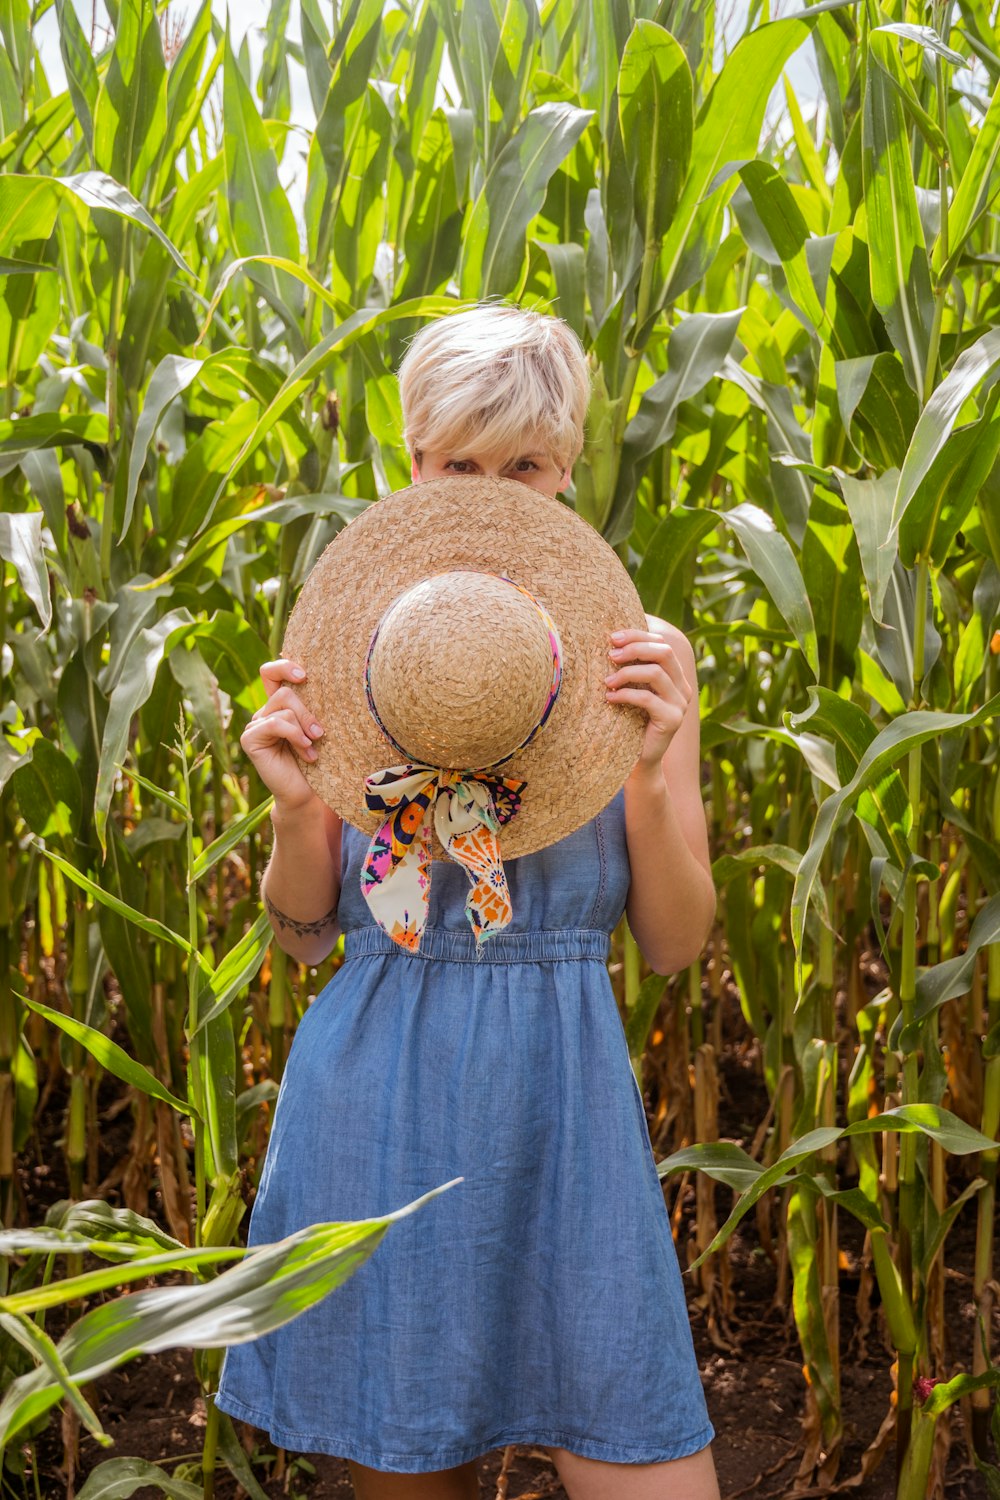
[282,724]
[659,679]
[664,656]
[284,699]
[283,669]
[646,699]
[622,637]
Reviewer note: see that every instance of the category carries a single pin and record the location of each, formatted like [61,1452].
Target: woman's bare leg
[691,1478]
[461,1483]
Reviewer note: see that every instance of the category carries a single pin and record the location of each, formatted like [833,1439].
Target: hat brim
[586,750]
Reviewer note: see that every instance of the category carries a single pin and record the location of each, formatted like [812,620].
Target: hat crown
[460,669]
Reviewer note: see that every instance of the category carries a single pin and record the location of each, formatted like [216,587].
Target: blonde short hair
[507,378]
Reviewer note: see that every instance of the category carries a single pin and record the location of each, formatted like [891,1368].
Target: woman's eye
[467,465]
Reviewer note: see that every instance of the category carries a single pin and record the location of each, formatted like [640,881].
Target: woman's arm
[671,901]
[300,887]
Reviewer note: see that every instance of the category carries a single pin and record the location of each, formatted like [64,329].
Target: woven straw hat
[445,593]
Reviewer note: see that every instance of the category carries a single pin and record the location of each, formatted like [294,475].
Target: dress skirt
[539,1301]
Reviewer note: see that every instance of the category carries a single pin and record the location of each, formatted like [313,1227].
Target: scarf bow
[469,808]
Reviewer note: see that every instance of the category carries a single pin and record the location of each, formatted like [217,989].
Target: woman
[550,1309]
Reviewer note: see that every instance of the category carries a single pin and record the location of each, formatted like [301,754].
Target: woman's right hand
[276,729]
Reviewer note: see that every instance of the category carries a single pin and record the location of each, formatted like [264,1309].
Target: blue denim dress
[540,1300]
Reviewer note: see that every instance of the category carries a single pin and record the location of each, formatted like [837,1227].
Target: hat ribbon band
[469,808]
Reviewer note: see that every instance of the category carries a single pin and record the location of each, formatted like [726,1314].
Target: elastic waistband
[502,947]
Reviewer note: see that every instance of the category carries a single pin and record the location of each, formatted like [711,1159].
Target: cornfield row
[793,444]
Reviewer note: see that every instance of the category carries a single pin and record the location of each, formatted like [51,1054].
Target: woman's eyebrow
[473,459]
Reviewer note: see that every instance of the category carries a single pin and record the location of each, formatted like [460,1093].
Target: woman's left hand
[646,659]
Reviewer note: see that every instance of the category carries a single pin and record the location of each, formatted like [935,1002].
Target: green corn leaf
[727,131]
[661,574]
[21,545]
[774,563]
[359,223]
[514,63]
[98,190]
[188,83]
[167,798]
[291,509]
[872,394]
[884,802]
[130,115]
[119,1229]
[119,1478]
[974,365]
[809,156]
[81,72]
[945,1221]
[110,1056]
[234,973]
[272,1285]
[15,26]
[148,924]
[924,36]
[433,233]
[783,219]
[929,1119]
[698,347]
[172,375]
[942,501]
[869,504]
[899,271]
[979,186]
[886,53]
[259,212]
[656,118]
[889,746]
[13,267]
[91,1283]
[49,796]
[235,833]
[493,249]
[38,1344]
[723,1161]
[832,577]
[641,1016]
[785,437]
[949,1391]
[20,435]
[133,688]
[32,145]
[945,981]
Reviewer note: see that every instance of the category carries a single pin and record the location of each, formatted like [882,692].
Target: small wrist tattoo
[302,929]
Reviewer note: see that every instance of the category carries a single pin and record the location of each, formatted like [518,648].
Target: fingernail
[315,729]
[617,635]
[610,677]
[297,672]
